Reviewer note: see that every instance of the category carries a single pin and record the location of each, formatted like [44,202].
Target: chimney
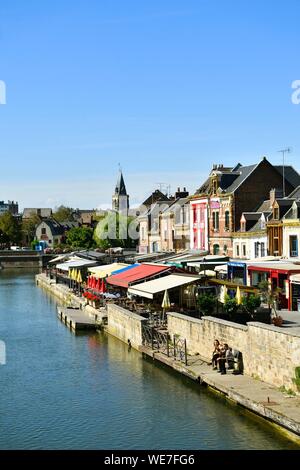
[181,194]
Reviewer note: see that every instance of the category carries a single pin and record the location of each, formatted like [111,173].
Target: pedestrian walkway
[255,395]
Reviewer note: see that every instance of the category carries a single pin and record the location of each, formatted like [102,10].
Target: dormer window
[214,186]
[243,226]
[276,213]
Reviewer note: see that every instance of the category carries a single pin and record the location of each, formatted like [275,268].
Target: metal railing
[162,342]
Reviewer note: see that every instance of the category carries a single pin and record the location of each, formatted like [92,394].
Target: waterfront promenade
[268,402]
[265,400]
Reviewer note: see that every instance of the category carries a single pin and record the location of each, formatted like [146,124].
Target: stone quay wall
[125,325]
[270,353]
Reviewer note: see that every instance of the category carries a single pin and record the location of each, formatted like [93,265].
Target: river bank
[89,391]
[254,395]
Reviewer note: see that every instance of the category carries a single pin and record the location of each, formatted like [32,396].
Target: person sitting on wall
[226,356]
[215,354]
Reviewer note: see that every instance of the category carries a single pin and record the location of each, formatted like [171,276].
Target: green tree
[80,237]
[116,230]
[28,228]
[10,229]
[207,303]
[63,213]
[251,303]
[269,295]
[230,306]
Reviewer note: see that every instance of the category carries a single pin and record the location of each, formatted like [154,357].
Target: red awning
[143,271]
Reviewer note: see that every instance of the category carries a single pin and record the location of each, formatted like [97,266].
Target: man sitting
[226,356]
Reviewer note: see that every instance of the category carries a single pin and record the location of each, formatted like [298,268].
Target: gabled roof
[229,178]
[55,227]
[157,195]
[290,213]
[290,174]
[295,194]
[244,172]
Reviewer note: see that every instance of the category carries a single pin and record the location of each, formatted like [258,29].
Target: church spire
[120,199]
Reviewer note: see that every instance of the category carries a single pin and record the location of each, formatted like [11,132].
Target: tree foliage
[207,303]
[251,303]
[230,306]
[10,232]
[28,228]
[269,295]
[63,213]
[116,230]
[80,237]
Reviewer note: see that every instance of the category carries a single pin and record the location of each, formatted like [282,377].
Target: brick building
[218,205]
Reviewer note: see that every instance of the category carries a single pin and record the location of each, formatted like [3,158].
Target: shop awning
[80,263]
[107,269]
[221,269]
[283,267]
[295,278]
[143,271]
[150,288]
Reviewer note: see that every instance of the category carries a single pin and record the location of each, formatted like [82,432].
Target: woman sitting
[215,354]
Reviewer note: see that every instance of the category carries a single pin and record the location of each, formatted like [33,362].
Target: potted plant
[271,296]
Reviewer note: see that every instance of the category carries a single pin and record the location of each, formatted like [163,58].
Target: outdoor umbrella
[238,296]
[165,303]
[223,294]
[103,287]
[79,277]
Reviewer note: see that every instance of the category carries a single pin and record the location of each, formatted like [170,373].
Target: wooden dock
[76,319]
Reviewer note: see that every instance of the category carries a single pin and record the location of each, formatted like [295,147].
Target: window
[215,186]
[49,241]
[276,213]
[256,249]
[243,226]
[195,214]
[43,231]
[237,250]
[216,221]
[293,246]
[216,249]
[227,220]
[225,249]
[262,249]
[244,249]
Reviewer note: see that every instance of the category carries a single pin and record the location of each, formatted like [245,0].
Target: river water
[61,391]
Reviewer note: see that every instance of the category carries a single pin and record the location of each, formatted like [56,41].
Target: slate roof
[244,172]
[55,227]
[157,195]
[290,212]
[120,186]
[291,175]
[296,193]
[231,178]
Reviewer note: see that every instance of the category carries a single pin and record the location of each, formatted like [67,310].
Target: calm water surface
[61,391]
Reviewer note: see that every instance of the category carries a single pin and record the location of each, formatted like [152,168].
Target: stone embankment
[270,357]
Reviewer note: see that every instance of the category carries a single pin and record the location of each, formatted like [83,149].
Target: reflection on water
[60,390]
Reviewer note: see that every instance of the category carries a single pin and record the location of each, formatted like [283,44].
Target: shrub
[207,303]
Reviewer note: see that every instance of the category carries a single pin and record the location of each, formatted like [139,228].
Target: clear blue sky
[165,87]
